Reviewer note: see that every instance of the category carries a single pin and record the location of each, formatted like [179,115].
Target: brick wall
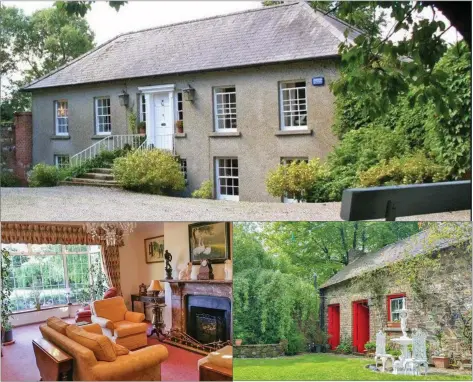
[446,293]
[258,351]
[17,144]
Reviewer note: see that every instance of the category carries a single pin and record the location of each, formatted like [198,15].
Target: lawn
[319,367]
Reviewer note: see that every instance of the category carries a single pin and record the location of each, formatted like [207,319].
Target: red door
[334,325]
[361,325]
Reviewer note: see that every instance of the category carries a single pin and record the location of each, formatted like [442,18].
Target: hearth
[208,318]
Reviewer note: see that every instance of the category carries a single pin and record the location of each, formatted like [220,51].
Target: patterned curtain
[111,266]
[27,233]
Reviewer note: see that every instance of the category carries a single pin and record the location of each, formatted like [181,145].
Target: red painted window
[395,302]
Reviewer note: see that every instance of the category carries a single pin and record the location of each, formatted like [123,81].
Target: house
[250,87]
[63,260]
[366,296]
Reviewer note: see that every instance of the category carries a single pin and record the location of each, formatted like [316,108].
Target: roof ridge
[332,16]
[263,8]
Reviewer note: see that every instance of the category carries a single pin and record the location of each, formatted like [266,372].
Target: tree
[80,8]
[42,42]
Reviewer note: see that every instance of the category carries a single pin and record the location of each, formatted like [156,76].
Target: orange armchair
[122,326]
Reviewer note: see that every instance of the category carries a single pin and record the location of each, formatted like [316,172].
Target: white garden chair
[381,351]
[419,354]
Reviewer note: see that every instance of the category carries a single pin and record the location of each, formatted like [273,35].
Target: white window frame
[293,103]
[58,118]
[97,115]
[392,311]
[219,177]
[286,161]
[179,106]
[90,251]
[58,159]
[143,111]
[225,110]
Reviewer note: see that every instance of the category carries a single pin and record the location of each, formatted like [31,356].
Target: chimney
[354,254]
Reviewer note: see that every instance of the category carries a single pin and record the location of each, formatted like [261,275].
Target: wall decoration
[143,290]
[154,249]
[209,241]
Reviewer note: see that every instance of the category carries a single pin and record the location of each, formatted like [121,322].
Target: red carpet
[18,362]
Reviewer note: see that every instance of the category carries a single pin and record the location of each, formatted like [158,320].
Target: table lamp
[155,287]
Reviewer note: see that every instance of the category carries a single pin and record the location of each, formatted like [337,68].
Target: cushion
[92,328]
[127,328]
[112,309]
[57,324]
[120,350]
[83,313]
[111,292]
[101,345]
[222,357]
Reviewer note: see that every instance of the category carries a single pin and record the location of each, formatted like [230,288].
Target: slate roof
[287,32]
[411,246]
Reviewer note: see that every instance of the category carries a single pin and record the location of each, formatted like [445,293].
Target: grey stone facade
[259,144]
[441,296]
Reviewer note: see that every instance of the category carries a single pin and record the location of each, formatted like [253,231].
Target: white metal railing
[108,143]
[160,142]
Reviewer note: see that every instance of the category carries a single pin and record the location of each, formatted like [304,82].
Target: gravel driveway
[71,203]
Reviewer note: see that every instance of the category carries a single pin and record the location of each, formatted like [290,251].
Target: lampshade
[155,286]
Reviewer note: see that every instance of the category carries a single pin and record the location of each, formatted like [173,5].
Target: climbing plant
[6,290]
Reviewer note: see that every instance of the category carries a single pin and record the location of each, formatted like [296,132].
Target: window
[142,108]
[395,304]
[62,119]
[51,269]
[288,161]
[183,163]
[103,122]
[180,109]
[61,161]
[225,109]
[293,105]
[227,179]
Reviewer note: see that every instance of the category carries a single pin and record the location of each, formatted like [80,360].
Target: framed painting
[209,241]
[154,249]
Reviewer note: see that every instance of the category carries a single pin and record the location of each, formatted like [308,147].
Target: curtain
[111,266]
[28,233]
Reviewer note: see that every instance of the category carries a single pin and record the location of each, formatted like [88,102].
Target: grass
[320,367]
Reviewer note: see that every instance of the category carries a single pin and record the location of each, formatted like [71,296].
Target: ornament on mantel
[185,273]
[168,267]
[228,269]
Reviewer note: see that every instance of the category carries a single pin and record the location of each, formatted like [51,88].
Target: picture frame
[154,249]
[209,240]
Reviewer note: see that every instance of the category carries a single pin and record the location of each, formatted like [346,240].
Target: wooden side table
[53,363]
[209,372]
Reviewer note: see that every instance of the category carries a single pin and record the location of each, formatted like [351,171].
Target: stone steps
[99,177]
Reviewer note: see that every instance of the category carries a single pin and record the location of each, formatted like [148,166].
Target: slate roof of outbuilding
[422,242]
[265,35]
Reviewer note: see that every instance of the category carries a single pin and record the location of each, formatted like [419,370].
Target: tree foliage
[80,8]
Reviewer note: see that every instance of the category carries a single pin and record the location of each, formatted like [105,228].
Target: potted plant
[439,359]
[370,348]
[238,342]
[7,331]
[142,127]
[180,126]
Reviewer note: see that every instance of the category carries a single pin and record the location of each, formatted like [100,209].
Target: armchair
[122,326]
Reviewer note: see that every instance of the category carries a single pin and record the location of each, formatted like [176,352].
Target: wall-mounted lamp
[189,93]
[124,98]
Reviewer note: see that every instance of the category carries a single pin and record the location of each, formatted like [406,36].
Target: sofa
[117,322]
[97,358]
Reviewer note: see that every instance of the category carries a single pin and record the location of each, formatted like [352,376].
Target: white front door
[163,129]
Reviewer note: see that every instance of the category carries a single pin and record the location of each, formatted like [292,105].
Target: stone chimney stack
[354,254]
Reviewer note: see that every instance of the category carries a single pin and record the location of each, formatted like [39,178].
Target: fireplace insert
[208,318]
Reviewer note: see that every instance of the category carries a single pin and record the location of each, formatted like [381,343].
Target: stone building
[428,276]
[232,96]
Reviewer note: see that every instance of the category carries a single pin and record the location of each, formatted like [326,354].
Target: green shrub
[8,179]
[408,170]
[43,175]
[150,171]
[205,191]
[296,179]
[296,342]
[370,346]
[345,346]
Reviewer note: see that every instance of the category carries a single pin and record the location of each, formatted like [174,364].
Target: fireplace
[208,318]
